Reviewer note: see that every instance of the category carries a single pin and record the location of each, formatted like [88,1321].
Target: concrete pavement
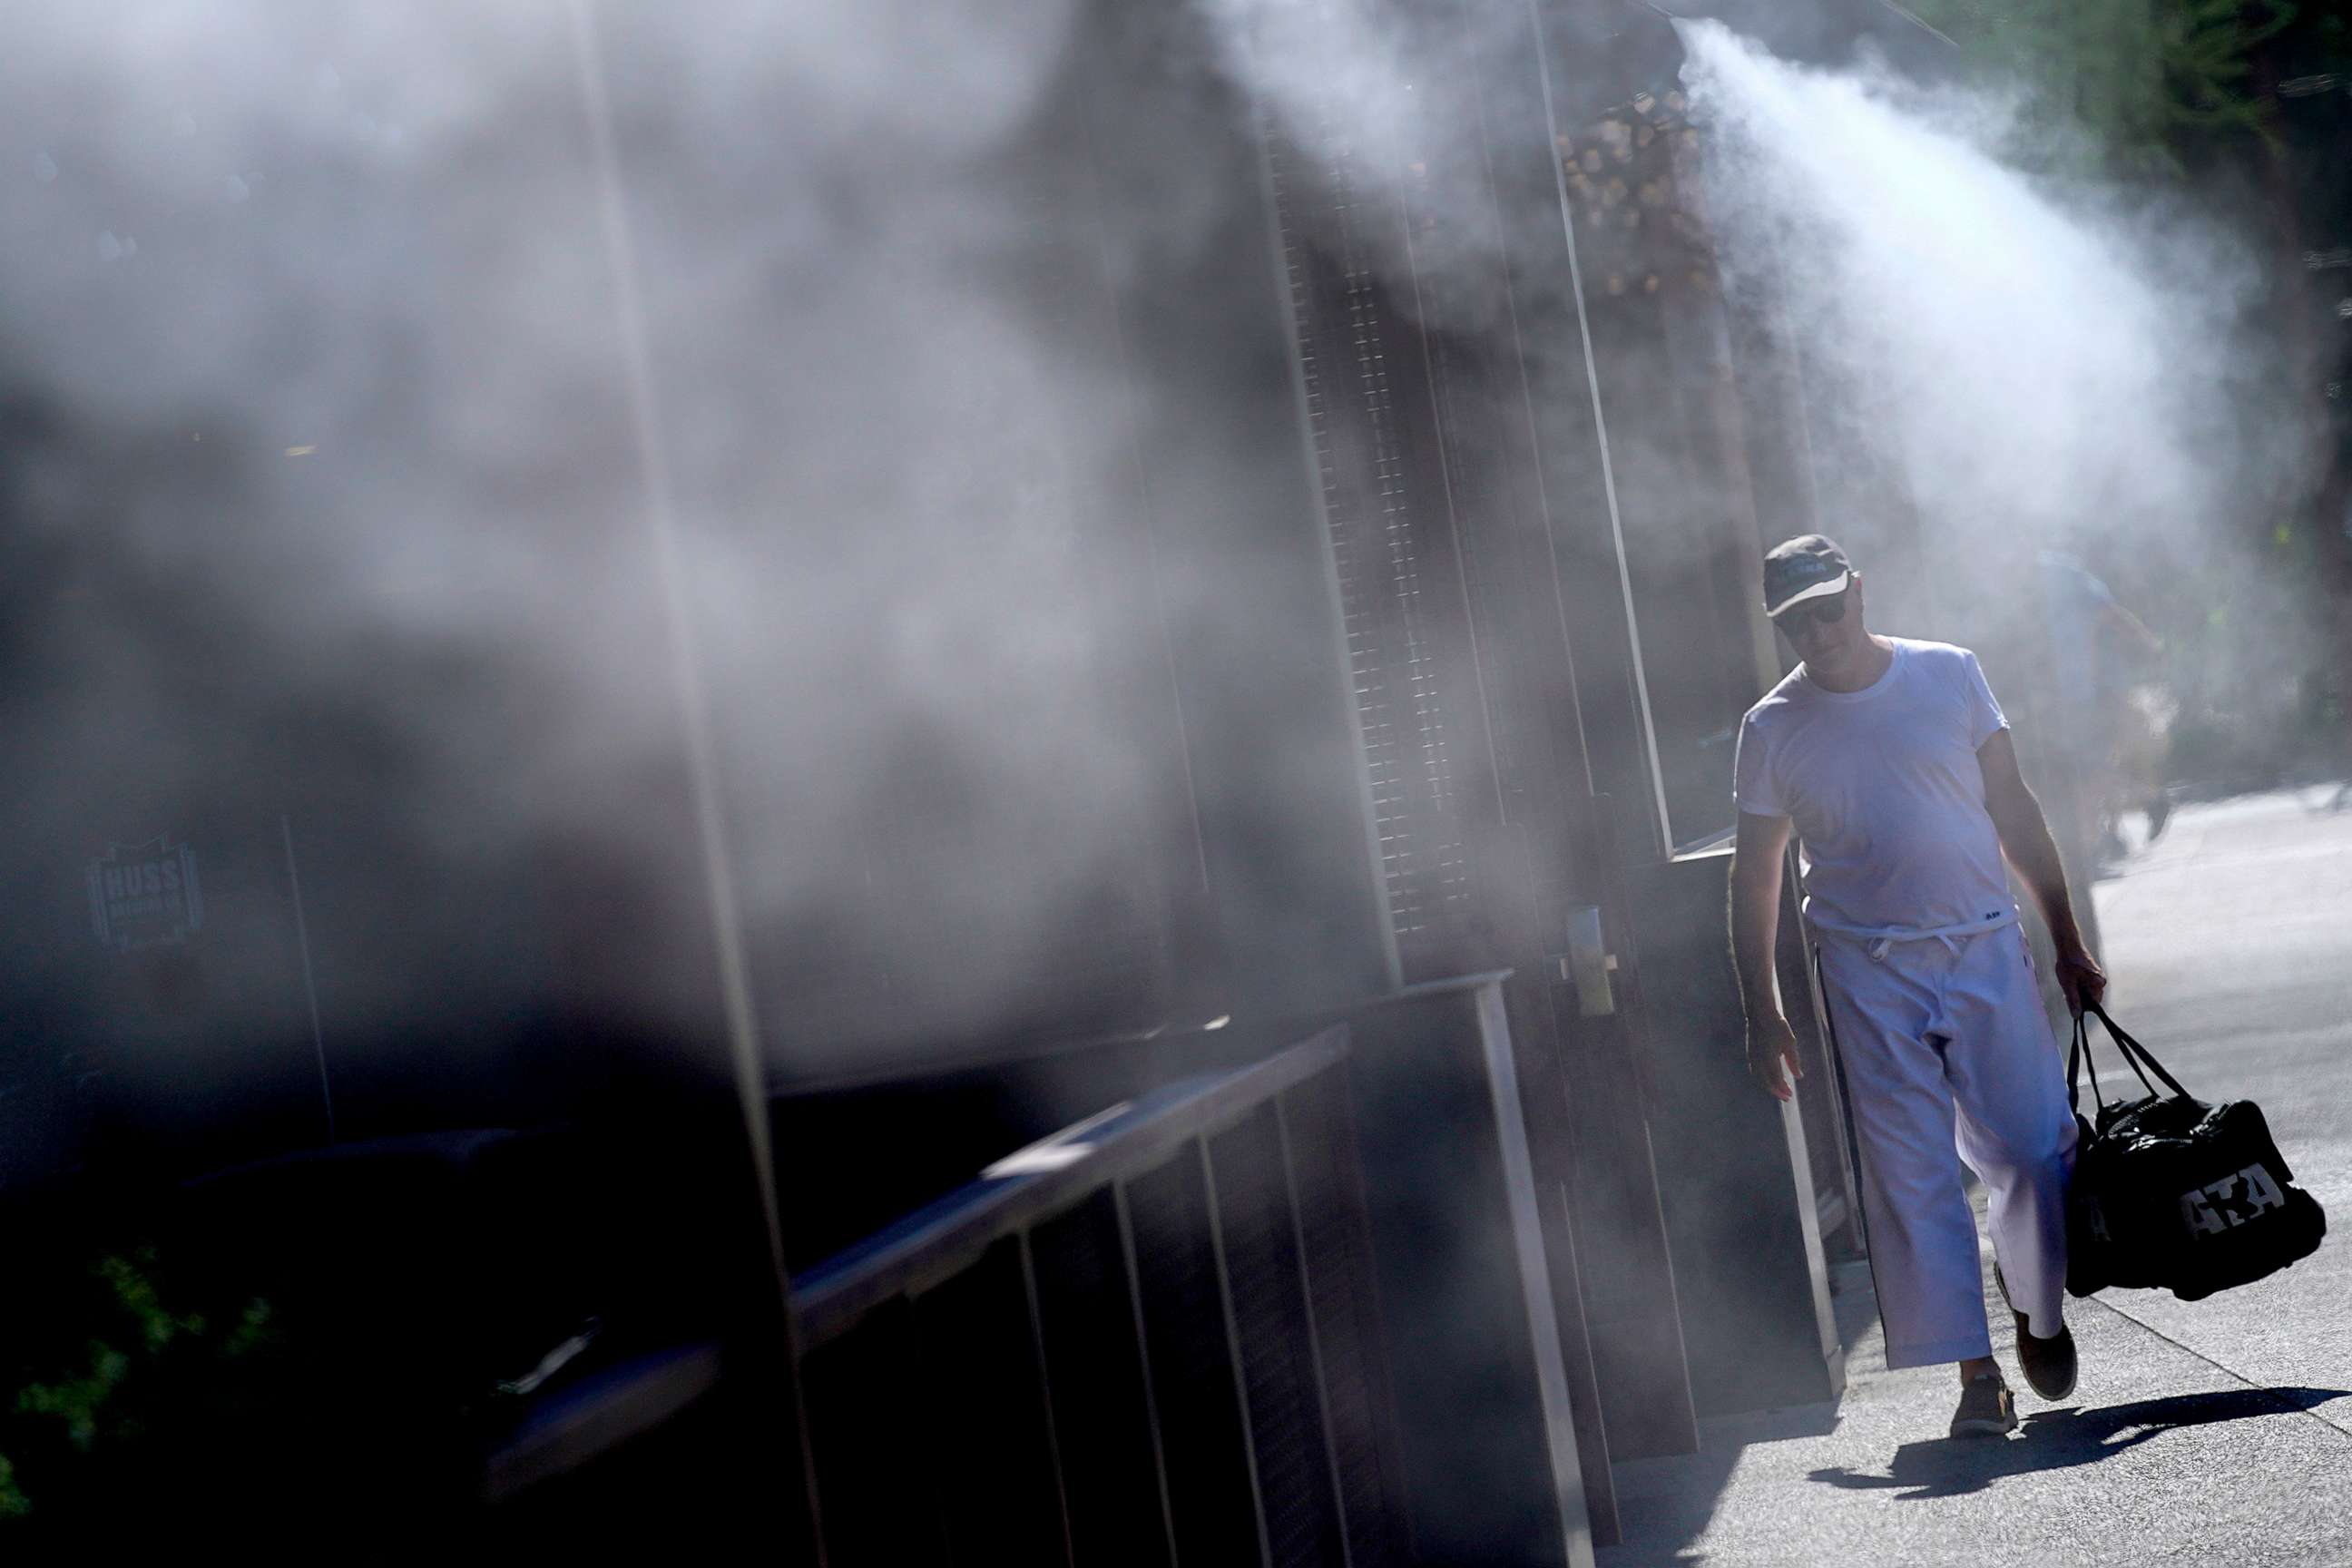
[2201,1433]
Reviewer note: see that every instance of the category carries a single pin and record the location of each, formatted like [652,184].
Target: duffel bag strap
[2132,1052]
[2078,1057]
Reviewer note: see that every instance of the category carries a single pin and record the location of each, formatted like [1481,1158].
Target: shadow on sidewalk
[2063,1438]
[1666,1503]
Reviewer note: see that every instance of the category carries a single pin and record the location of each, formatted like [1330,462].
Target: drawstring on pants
[1879,941]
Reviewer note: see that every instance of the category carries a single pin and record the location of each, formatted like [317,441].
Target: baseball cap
[1806,567]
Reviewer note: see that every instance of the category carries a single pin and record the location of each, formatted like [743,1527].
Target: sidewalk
[2205,1433]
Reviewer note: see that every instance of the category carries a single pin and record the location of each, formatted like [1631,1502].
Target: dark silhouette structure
[1311,877]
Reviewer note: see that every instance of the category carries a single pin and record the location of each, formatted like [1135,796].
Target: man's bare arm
[1760,850]
[2026,839]
[2146,643]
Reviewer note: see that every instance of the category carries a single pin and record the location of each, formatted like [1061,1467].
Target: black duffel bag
[2170,1192]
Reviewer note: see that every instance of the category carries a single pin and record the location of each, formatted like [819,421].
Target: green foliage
[2149,81]
[2331,43]
[122,1363]
[2206,47]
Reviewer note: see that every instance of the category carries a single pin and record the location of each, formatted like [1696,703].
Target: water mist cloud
[2028,358]
[328,503]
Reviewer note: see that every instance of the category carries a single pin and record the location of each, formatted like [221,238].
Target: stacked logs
[1631,191]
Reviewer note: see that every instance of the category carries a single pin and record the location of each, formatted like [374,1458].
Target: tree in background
[2252,101]
[2151,83]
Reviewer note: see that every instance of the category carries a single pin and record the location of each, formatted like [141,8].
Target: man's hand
[2080,977]
[1771,1048]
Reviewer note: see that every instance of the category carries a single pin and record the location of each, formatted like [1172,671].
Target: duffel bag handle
[2078,1055]
[2132,1047]
[2132,1052]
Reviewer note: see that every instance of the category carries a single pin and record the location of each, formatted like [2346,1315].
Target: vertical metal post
[1233,1344]
[310,981]
[1045,1392]
[717,874]
[1533,1275]
[1143,1362]
[1313,1337]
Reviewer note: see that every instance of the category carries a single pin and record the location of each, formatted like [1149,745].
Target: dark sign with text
[145,895]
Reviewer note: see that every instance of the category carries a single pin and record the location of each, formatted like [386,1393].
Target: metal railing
[1148,1339]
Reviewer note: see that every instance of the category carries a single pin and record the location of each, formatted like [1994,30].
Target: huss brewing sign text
[145,895]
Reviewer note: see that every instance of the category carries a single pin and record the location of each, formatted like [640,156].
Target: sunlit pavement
[2217,1432]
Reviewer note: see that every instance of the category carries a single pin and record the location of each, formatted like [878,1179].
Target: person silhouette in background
[1892,764]
[2115,729]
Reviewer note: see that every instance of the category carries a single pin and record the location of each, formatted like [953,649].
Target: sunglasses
[1799,619]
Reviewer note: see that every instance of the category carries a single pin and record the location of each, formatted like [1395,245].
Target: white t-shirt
[1884,786]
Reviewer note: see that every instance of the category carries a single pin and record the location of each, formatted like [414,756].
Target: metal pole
[310,981]
[722,907]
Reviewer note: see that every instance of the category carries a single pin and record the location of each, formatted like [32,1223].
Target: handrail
[942,1238]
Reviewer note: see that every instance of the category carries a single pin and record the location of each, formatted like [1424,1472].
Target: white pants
[1948,1057]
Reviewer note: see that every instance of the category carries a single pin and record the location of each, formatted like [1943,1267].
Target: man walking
[1894,767]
